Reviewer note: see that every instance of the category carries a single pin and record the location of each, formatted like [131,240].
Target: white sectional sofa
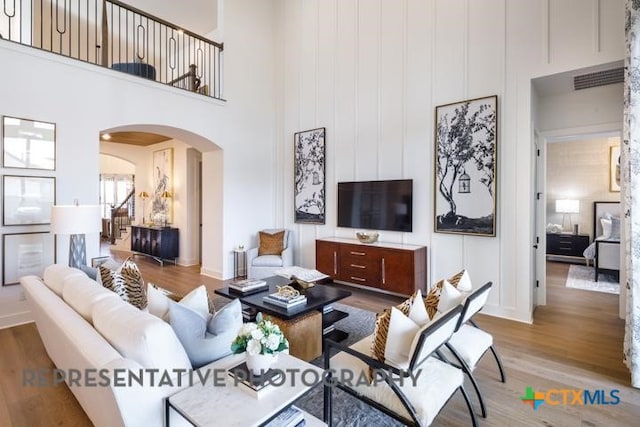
[85,327]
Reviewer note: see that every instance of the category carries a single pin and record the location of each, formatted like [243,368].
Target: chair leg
[495,354]
[327,404]
[474,383]
[474,420]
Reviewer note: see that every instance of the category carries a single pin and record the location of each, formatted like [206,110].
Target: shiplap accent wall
[372,72]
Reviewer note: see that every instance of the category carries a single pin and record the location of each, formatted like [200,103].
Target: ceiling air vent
[600,78]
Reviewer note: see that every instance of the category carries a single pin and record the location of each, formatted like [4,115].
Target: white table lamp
[76,221]
[567,207]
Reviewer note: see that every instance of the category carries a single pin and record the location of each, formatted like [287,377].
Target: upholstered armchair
[271,254]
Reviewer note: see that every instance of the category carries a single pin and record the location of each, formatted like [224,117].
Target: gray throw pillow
[205,341]
[615,228]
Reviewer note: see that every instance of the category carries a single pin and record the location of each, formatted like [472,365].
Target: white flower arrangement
[263,337]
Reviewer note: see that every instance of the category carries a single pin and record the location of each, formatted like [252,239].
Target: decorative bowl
[367,237]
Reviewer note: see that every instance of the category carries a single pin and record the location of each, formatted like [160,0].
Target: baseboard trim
[15,319]
[211,273]
[507,313]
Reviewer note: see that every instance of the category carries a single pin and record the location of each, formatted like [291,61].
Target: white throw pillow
[402,331]
[464,284]
[449,297]
[418,311]
[197,300]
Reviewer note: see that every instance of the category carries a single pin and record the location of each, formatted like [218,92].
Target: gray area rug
[347,410]
[582,277]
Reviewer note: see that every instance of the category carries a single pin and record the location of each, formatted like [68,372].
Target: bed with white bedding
[605,249]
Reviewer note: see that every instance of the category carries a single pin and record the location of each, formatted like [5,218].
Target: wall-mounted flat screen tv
[376,205]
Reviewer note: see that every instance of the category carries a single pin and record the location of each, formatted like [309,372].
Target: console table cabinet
[389,267]
[160,243]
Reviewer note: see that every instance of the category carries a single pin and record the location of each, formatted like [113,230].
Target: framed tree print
[28,144]
[465,167]
[309,185]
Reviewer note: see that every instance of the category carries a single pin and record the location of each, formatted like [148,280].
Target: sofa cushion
[204,341]
[127,282]
[81,293]
[55,275]
[139,335]
[267,261]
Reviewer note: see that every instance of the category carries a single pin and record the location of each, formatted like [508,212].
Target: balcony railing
[117,36]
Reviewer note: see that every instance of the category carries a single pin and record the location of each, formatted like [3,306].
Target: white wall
[579,169]
[236,138]
[372,73]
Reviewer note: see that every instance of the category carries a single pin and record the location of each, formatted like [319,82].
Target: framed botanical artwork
[161,199]
[27,200]
[28,144]
[466,135]
[309,180]
[26,254]
[614,168]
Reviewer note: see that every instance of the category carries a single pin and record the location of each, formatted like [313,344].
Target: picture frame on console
[309,176]
[27,200]
[28,144]
[26,254]
[466,135]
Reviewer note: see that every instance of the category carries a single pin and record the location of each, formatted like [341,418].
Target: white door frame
[583,132]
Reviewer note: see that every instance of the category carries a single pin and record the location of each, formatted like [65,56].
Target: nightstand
[567,245]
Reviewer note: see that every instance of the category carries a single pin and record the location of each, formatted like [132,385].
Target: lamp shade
[567,206]
[166,195]
[72,219]
[143,195]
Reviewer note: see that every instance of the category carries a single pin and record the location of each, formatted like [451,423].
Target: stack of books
[255,385]
[285,301]
[290,417]
[248,286]
[327,309]
[249,313]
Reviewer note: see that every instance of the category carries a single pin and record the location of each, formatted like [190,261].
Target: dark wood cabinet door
[328,258]
[398,271]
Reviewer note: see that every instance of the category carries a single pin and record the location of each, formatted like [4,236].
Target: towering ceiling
[198,16]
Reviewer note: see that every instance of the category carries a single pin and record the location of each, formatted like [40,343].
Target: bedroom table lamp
[568,207]
[76,221]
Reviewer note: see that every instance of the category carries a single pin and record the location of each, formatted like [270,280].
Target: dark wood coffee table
[302,325]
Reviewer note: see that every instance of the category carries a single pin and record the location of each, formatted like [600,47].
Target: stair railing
[121,216]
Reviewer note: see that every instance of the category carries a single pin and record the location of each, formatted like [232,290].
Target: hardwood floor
[574,343]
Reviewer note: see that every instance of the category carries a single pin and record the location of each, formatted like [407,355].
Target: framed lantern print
[465,167]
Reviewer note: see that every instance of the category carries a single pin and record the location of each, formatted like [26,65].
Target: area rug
[582,277]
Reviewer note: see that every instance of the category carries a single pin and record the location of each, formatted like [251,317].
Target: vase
[260,363]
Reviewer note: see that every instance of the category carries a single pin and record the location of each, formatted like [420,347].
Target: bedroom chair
[412,403]
[265,259]
[469,343]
